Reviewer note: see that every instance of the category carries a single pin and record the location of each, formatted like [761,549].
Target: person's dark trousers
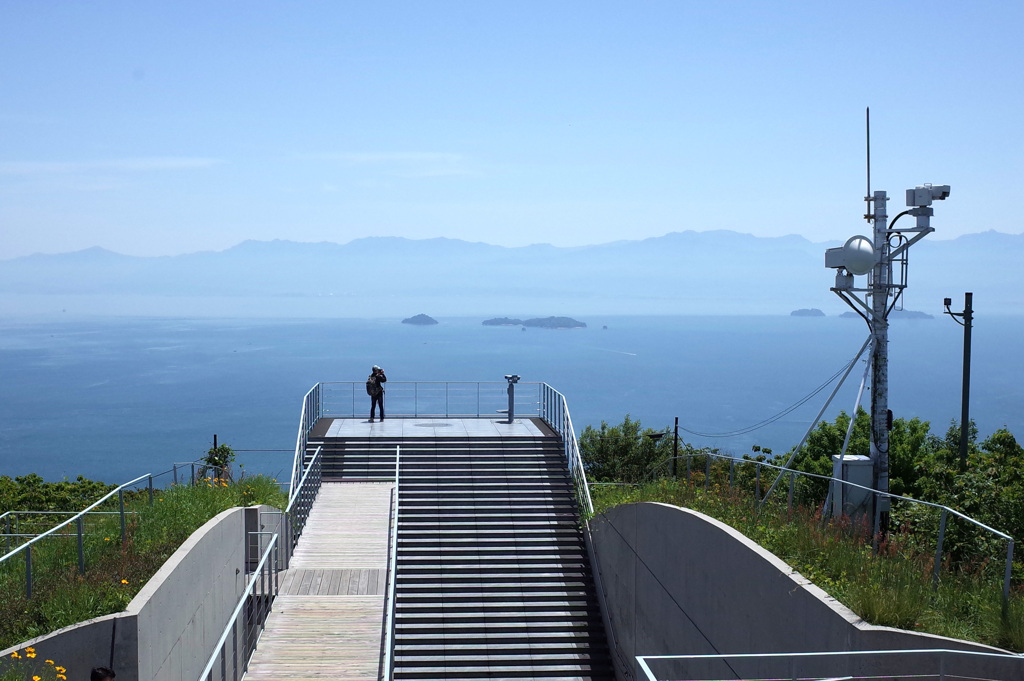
[374,401]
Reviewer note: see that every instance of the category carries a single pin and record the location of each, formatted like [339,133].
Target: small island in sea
[420,320]
[555,323]
[503,321]
[807,312]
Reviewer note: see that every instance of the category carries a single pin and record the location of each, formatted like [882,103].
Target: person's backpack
[372,387]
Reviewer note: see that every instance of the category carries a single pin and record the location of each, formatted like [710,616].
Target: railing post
[757,482]
[1006,577]
[175,469]
[150,489]
[120,505]
[792,483]
[707,470]
[7,532]
[28,571]
[875,525]
[193,473]
[938,550]
[81,546]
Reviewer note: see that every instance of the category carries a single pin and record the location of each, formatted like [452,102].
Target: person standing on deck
[375,389]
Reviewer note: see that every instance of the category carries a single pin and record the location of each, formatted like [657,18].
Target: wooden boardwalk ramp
[328,619]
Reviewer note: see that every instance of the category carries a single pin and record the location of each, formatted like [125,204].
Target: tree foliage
[623,453]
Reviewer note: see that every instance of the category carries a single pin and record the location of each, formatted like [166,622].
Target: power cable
[776,417]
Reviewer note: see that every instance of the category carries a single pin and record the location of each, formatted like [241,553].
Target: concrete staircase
[493,579]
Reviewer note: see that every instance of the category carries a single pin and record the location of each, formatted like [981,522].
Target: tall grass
[115,572]
[890,586]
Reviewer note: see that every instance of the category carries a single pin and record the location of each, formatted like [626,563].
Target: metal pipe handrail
[302,482]
[642,659]
[112,492]
[944,509]
[238,608]
[389,642]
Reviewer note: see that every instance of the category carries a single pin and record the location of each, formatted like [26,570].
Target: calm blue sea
[115,398]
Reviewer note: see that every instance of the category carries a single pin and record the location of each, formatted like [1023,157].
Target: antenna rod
[867,127]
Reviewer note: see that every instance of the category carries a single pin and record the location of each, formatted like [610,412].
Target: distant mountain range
[714,272]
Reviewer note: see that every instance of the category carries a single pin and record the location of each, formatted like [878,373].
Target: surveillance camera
[923,195]
[947,301]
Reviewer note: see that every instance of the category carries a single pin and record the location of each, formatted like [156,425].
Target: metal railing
[440,399]
[244,631]
[554,410]
[781,471]
[74,526]
[878,665]
[301,500]
[389,632]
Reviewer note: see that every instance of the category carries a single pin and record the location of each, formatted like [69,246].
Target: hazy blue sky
[159,128]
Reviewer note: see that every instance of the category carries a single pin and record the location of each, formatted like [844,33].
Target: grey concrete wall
[98,642]
[183,609]
[169,629]
[676,582]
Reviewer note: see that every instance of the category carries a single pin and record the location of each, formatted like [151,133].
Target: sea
[114,398]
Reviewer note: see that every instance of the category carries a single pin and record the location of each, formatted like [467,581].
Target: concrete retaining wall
[169,629]
[676,582]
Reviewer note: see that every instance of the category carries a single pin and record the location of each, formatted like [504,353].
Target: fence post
[707,470]
[1006,577]
[757,482]
[120,504]
[7,532]
[81,547]
[875,526]
[792,483]
[150,489]
[938,550]
[193,465]
[175,468]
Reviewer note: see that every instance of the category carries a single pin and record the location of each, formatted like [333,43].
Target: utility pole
[879,325]
[965,396]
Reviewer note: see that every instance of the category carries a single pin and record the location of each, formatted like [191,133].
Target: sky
[162,128]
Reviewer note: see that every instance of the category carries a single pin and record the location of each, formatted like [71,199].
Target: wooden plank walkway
[328,619]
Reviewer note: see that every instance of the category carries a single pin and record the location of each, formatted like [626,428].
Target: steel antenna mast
[875,258]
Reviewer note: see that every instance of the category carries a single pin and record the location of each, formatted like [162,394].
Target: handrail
[219,648]
[832,480]
[305,494]
[791,658]
[554,410]
[389,643]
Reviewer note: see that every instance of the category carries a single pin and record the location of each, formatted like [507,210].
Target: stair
[493,579]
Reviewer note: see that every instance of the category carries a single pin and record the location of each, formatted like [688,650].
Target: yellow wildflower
[15,655]
[37,678]
[30,649]
[124,581]
[49,662]
[61,670]
[30,654]
[61,677]
[106,539]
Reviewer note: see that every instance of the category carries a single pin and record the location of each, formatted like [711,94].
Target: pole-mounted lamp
[965,397]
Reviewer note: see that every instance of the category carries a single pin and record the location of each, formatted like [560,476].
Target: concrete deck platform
[408,427]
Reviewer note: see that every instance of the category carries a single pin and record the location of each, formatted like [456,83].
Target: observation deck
[438,545]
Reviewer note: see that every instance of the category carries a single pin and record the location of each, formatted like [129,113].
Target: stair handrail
[300,503]
[312,410]
[554,410]
[389,641]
